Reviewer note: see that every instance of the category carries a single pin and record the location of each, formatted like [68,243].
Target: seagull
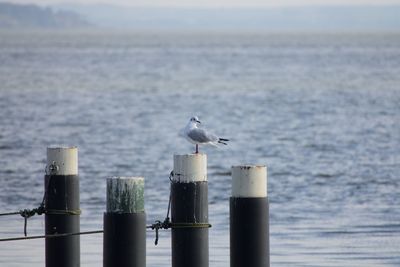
[199,136]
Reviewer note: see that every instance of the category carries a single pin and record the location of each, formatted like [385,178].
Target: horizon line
[172,6]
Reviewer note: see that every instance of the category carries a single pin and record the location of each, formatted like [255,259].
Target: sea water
[322,111]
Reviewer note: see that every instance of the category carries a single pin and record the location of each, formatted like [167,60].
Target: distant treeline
[31,16]
[351,18]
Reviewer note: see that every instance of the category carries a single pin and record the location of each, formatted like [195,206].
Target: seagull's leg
[197,149]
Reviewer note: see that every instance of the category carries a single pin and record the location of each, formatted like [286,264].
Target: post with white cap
[189,211]
[124,235]
[249,217]
[62,207]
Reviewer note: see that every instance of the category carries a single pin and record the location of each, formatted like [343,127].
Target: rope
[27,213]
[50,236]
[157,226]
[10,213]
[166,224]
[63,212]
[189,225]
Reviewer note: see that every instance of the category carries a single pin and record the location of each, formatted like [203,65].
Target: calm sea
[322,111]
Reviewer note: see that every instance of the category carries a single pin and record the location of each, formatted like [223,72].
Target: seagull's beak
[198,121]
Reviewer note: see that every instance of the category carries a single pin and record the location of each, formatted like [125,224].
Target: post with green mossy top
[125,223]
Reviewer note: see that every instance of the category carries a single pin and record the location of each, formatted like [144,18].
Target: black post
[62,207]
[189,211]
[249,217]
[125,223]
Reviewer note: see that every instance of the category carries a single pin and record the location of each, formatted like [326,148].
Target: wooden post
[189,208]
[125,223]
[249,217]
[62,207]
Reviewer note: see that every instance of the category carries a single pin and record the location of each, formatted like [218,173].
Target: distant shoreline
[198,32]
[27,16]
[352,18]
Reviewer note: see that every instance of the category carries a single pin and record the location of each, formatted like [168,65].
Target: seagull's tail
[223,141]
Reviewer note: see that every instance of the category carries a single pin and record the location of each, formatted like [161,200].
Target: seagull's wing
[201,136]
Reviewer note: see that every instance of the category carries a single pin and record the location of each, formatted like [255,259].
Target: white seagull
[199,136]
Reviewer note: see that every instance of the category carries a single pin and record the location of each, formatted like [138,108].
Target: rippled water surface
[321,111]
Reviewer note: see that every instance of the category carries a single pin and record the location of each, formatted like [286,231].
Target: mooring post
[189,211]
[124,235]
[62,207]
[249,217]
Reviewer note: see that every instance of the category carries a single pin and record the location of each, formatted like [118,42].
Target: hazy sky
[214,3]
